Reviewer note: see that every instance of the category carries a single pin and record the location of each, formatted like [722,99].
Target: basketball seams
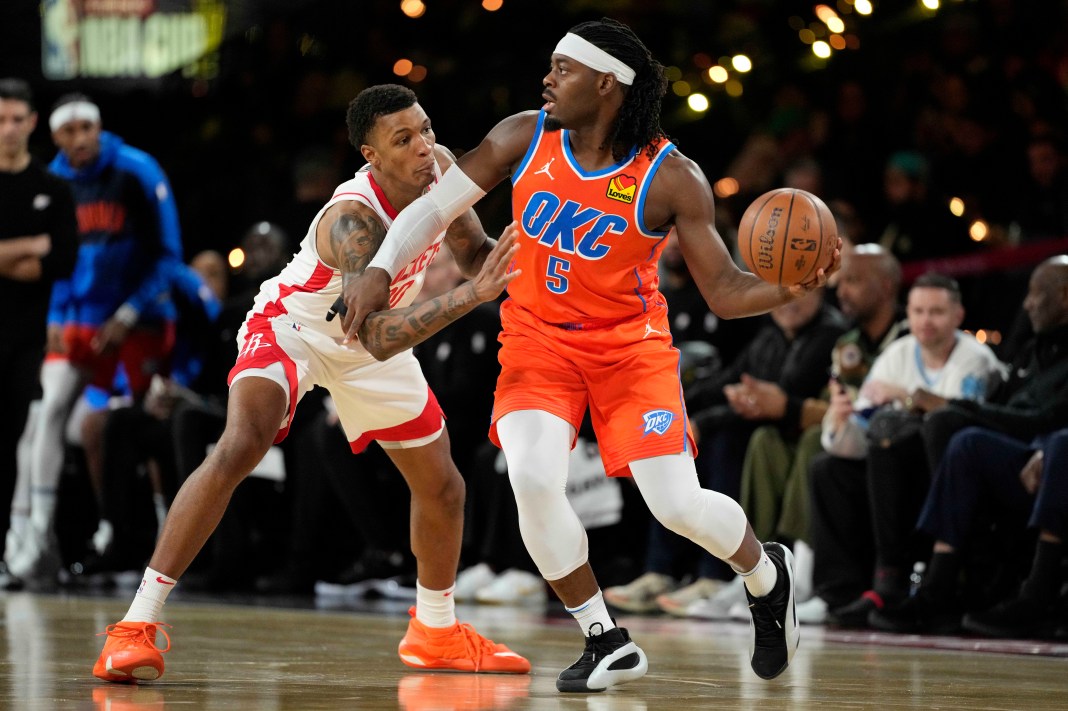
[754,264]
[819,252]
[786,235]
[775,242]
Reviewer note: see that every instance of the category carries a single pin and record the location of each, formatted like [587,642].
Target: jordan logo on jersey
[622,188]
[545,169]
[658,421]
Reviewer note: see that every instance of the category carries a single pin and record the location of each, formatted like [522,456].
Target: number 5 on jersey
[555,280]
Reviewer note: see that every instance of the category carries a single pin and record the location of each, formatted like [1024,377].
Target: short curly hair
[370,104]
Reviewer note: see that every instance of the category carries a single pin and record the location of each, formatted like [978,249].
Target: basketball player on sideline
[596,186]
[286,347]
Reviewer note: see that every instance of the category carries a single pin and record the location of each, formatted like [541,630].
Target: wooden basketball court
[252,656]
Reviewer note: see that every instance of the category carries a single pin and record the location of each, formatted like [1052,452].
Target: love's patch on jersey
[622,188]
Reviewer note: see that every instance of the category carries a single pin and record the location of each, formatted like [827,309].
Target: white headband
[74,111]
[594,57]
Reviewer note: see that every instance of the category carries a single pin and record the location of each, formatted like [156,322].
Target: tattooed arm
[353,233]
[386,333]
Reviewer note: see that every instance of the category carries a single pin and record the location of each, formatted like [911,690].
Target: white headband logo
[594,57]
[74,111]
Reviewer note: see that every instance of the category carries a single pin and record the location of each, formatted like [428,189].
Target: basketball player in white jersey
[287,346]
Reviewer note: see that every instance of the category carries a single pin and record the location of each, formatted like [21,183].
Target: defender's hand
[362,296]
[494,276]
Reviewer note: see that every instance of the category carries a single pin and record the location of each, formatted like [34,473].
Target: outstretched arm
[387,333]
[348,237]
[729,291]
[460,187]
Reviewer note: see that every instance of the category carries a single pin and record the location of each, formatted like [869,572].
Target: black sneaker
[774,629]
[610,658]
[855,614]
[1018,617]
[922,613]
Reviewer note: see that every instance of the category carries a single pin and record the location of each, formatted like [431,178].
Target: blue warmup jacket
[129,240]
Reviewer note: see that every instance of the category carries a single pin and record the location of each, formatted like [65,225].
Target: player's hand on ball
[822,274]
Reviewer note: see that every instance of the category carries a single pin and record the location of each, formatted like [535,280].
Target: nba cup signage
[130,39]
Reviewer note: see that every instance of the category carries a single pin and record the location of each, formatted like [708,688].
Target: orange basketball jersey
[585,251]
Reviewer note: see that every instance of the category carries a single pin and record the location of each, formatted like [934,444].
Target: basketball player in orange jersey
[287,346]
[596,187]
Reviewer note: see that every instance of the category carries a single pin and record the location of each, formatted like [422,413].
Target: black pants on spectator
[841,529]
[898,481]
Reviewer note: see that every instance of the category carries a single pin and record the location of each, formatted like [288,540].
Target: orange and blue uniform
[585,323]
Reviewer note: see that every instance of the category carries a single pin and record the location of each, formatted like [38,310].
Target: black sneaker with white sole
[774,629]
[610,658]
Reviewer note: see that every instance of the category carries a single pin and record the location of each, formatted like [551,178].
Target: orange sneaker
[456,648]
[130,653]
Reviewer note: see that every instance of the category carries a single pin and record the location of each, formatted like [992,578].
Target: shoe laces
[475,645]
[120,630]
[765,620]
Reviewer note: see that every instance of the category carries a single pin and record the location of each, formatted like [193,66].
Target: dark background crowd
[921,107]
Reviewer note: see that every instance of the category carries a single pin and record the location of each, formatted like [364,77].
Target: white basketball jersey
[306,289]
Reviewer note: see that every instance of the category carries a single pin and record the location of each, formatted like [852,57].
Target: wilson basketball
[786,235]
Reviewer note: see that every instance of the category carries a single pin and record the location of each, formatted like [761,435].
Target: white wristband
[126,315]
[419,224]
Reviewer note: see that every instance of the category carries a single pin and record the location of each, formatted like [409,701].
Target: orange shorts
[144,353]
[626,371]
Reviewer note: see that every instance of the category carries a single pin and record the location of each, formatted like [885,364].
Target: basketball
[786,235]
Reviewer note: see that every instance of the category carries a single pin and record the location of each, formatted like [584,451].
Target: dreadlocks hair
[373,103]
[638,123]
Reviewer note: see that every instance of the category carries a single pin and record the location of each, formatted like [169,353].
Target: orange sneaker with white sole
[130,653]
[456,648]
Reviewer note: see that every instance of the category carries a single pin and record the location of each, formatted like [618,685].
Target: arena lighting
[978,231]
[821,49]
[807,36]
[725,187]
[956,206]
[863,7]
[930,4]
[413,8]
[830,18]
[718,74]
[733,88]
[837,42]
[681,87]
[492,5]
[402,67]
[417,74]
[697,102]
[741,63]
[236,258]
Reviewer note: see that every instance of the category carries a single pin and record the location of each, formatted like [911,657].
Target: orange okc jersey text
[588,254]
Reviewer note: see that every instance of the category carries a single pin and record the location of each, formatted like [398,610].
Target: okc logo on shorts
[658,421]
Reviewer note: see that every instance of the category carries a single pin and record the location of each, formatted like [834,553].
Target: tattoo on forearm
[391,332]
[355,240]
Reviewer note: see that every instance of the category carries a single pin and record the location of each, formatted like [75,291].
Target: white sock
[148,602]
[761,579]
[435,608]
[590,613]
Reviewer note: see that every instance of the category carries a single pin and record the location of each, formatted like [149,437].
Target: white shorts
[387,401]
